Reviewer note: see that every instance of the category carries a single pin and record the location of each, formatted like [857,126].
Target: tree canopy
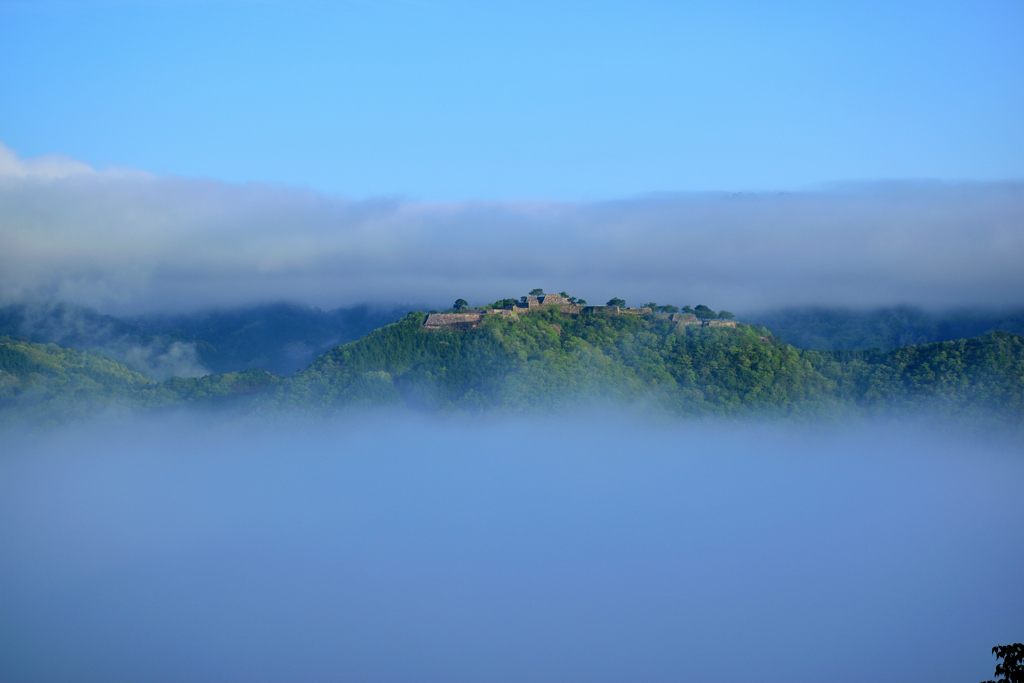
[1011,669]
[704,313]
[547,358]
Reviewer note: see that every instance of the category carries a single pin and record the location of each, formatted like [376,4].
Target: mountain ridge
[547,360]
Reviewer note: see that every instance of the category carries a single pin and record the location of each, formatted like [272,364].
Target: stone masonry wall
[446,319]
[439,320]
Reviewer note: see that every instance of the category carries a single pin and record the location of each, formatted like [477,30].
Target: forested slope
[979,375]
[546,361]
[39,378]
[54,383]
[281,338]
[820,328]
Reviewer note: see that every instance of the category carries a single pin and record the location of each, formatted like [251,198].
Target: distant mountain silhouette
[281,338]
[822,329]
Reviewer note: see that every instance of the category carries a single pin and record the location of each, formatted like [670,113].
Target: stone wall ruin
[437,321]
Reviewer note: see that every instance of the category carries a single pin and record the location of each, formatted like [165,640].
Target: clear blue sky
[503,100]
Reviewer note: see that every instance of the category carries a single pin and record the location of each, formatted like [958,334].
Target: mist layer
[600,548]
[129,242]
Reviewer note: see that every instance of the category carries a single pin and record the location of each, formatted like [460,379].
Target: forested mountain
[284,338]
[819,328]
[54,383]
[548,360]
[281,338]
[58,383]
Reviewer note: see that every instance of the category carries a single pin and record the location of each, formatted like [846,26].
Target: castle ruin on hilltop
[437,321]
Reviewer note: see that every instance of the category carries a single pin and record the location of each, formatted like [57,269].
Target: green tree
[668,309]
[704,313]
[687,309]
[651,305]
[1012,667]
[726,315]
[615,301]
[537,292]
[581,302]
[460,304]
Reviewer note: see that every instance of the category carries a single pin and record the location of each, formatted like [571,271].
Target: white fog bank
[597,548]
[130,242]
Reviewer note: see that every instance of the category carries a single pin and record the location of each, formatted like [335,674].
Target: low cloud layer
[130,242]
[612,549]
[156,356]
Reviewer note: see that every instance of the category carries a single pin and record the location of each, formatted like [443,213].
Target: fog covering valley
[603,546]
[399,341]
[196,484]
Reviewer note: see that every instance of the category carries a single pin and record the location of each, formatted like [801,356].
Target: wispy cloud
[129,241]
[48,167]
[155,356]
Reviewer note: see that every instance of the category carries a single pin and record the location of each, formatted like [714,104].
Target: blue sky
[500,100]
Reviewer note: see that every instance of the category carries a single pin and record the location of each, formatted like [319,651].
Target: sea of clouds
[604,546]
[127,242]
[591,547]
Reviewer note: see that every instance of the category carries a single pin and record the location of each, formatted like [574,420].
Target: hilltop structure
[469,320]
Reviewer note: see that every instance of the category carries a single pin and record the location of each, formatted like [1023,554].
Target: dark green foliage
[1011,669]
[726,315]
[14,361]
[213,389]
[615,301]
[55,383]
[883,328]
[281,338]
[431,369]
[704,313]
[547,359]
[980,375]
[537,292]
[460,304]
